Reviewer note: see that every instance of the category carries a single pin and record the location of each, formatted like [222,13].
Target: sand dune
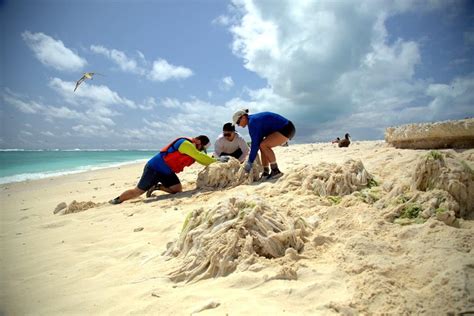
[367,229]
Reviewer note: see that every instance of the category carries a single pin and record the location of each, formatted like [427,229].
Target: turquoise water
[27,165]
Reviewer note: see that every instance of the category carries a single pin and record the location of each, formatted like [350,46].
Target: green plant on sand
[435,155]
[372,183]
[334,199]
[411,211]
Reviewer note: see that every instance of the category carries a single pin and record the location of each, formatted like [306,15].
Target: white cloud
[47,133]
[154,124]
[53,53]
[91,114]
[125,63]
[26,133]
[148,104]
[226,83]
[163,71]
[100,131]
[89,95]
[330,61]
[62,112]
[452,100]
[170,103]
[222,20]
[160,70]
[25,106]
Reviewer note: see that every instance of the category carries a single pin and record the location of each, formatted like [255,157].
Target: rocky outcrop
[446,134]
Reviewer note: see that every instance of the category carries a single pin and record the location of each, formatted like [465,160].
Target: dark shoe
[153,188]
[264,176]
[275,174]
[150,190]
[115,201]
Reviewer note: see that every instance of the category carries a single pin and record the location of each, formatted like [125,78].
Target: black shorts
[235,154]
[150,177]
[288,130]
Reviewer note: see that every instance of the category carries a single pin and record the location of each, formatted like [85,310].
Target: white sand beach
[361,251]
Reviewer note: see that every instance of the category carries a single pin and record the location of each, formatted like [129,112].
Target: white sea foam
[42,175]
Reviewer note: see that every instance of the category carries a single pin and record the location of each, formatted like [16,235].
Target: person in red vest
[160,171]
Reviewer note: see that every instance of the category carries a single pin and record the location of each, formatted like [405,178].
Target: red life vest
[174,159]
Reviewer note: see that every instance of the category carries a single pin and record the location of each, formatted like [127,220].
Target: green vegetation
[334,199]
[369,196]
[431,185]
[245,204]
[467,167]
[372,183]
[440,210]
[409,215]
[435,155]
[411,211]
[400,199]
[242,214]
[186,220]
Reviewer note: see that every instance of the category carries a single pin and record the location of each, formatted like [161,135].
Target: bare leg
[131,194]
[272,140]
[263,157]
[172,189]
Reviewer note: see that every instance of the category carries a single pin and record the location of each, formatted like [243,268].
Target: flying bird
[87,75]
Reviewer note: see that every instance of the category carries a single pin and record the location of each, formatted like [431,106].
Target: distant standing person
[267,130]
[160,171]
[230,143]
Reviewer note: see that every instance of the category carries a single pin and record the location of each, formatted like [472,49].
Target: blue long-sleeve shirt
[260,126]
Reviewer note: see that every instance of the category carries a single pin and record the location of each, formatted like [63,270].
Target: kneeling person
[160,171]
[230,143]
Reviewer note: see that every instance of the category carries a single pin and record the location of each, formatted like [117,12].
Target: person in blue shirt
[160,171]
[267,130]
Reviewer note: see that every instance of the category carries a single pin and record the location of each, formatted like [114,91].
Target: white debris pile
[227,174]
[234,234]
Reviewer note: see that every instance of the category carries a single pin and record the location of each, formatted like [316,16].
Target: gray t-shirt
[223,145]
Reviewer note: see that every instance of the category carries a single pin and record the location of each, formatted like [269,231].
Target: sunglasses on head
[227,134]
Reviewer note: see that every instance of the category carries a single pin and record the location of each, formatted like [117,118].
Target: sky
[171,68]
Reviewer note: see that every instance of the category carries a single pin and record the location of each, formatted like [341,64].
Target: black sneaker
[115,201]
[276,173]
[264,176]
[150,190]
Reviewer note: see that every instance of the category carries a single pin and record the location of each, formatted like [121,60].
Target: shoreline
[59,173]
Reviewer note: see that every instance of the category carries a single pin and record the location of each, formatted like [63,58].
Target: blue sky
[181,68]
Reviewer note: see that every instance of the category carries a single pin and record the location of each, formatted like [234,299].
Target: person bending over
[267,130]
[230,143]
[160,171]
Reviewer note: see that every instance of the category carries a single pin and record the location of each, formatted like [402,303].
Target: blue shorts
[151,177]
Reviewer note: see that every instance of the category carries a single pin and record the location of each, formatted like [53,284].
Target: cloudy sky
[180,68]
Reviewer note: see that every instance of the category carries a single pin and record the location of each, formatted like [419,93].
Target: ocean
[20,165]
